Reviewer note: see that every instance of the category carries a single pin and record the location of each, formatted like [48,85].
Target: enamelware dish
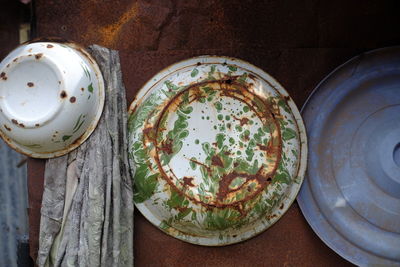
[51,98]
[219,148]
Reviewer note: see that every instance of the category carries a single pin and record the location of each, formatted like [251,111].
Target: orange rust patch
[79,139]
[188,181]
[201,164]
[38,56]
[262,147]
[227,179]
[167,147]
[110,32]
[242,121]
[216,161]
[225,197]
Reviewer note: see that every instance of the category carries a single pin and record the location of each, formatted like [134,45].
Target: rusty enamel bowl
[51,98]
[219,148]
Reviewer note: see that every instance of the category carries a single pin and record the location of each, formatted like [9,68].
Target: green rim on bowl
[219,148]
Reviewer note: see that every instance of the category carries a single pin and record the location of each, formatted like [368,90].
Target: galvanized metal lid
[219,149]
[351,194]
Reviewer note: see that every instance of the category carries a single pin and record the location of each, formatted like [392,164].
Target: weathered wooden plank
[87,208]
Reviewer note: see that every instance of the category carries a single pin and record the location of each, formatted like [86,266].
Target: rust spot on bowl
[38,56]
[3,76]
[82,89]
[15,60]
[37,124]
[22,125]
[8,128]
[72,99]
[30,84]
[63,94]
[14,121]
[50,46]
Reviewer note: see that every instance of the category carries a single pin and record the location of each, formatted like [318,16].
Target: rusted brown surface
[35,190]
[297,42]
[233,87]
[38,56]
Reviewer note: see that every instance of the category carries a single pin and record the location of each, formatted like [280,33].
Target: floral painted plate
[219,148]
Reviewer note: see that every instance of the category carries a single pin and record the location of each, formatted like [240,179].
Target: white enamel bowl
[51,98]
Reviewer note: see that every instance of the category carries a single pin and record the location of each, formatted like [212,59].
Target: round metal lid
[219,149]
[351,194]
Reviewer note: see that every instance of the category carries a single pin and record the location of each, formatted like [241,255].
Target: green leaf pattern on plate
[216,158]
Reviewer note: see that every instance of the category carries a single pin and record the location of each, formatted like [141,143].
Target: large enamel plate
[351,194]
[219,149]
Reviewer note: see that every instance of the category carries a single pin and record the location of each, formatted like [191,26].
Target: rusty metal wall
[297,42]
